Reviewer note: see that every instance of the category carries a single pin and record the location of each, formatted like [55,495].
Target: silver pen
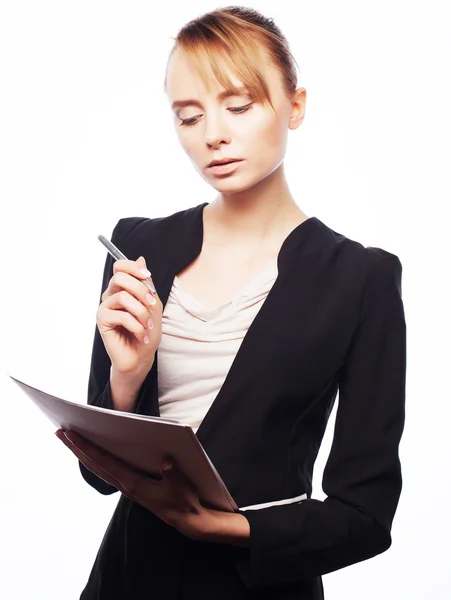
[117,254]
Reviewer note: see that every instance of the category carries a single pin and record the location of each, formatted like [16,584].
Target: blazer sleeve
[99,391]
[362,476]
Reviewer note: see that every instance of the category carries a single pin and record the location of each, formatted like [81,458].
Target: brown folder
[139,440]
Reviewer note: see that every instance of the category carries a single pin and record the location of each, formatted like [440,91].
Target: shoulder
[373,262]
[131,232]
[369,277]
[384,269]
[381,283]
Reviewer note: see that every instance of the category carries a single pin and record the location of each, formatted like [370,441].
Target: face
[213,126]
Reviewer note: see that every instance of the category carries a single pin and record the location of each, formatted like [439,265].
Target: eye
[237,110]
[241,109]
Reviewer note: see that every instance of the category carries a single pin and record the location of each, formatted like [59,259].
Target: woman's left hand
[173,498]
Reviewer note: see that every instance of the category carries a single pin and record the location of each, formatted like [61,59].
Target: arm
[362,476]
[105,388]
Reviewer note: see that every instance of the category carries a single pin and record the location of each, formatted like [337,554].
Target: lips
[225,168]
[225,162]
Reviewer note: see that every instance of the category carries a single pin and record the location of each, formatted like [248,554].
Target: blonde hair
[238,38]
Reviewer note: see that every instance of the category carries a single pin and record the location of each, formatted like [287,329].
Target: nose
[216,131]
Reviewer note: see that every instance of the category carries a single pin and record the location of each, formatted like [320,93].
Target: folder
[139,440]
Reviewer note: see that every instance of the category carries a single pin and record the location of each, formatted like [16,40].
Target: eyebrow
[221,96]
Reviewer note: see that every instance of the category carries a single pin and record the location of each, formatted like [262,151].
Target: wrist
[227,528]
[125,389]
[131,379]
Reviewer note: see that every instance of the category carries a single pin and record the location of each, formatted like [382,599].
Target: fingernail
[150,299]
[145,272]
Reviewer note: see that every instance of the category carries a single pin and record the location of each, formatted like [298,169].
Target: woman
[262,315]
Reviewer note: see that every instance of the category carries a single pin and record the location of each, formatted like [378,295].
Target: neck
[258,213]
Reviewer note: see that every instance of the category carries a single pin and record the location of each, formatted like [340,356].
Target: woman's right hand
[123,319]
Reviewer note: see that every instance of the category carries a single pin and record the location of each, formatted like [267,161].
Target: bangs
[213,52]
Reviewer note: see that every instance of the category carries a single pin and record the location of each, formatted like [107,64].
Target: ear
[298,108]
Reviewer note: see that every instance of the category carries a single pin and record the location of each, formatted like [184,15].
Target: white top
[198,346]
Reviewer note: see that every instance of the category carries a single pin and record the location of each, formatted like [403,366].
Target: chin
[236,183]
[230,187]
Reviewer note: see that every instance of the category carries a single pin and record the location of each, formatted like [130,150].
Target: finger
[92,451]
[108,478]
[78,440]
[82,449]
[130,279]
[87,461]
[130,479]
[139,308]
[123,282]
[141,262]
[61,435]
[67,441]
[95,468]
[132,273]
[173,474]
[111,319]
[136,287]
[132,267]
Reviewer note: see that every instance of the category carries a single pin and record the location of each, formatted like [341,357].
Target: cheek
[268,141]
[184,142]
[185,139]
[268,132]
[192,143]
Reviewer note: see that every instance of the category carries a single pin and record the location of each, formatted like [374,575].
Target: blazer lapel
[187,239]
[251,359]
[175,248]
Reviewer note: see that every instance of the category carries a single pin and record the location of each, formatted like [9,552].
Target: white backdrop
[86,137]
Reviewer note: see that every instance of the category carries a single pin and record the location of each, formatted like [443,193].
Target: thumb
[141,261]
[172,473]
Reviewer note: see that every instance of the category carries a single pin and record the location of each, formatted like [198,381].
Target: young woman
[262,314]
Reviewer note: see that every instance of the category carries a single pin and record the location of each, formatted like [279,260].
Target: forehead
[184,81]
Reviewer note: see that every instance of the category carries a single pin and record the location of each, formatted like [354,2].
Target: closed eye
[238,110]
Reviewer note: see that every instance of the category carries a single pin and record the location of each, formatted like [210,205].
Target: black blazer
[333,320]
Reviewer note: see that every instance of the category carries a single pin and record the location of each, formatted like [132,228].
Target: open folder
[139,440]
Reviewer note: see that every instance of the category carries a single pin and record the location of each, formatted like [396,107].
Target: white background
[87,138]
